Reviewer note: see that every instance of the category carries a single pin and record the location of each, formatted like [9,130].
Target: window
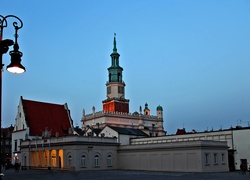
[109,161]
[215,159]
[15,149]
[222,158]
[207,163]
[96,161]
[69,160]
[83,161]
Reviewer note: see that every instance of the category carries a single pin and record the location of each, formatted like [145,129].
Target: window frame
[207,159]
[215,159]
[83,161]
[109,160]
[96,160]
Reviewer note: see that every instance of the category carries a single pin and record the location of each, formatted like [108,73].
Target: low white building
[79,153]
[241,146]
[237,140]
[71,152]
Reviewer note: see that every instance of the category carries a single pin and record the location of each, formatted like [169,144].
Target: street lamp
[15,65]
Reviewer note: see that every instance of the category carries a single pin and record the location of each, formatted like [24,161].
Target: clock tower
[115,101]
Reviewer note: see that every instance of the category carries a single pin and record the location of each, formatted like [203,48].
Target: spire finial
[114,49]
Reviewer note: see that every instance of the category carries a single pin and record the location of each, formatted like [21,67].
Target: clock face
[108,90]
[121,89]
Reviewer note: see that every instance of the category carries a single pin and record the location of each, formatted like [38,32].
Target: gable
[109,132]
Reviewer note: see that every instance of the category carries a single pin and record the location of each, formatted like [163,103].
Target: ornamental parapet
[36,143]
[121,114]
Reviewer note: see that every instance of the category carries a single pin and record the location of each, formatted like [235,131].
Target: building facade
[237,140]
[79,153]
[70,153]
[36,120]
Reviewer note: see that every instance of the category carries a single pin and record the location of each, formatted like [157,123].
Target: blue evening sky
[191,57]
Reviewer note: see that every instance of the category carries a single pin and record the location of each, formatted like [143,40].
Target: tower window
[119,78]
[109,77]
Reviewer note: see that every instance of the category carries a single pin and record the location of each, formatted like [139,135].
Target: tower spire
[115,49]
[115,86]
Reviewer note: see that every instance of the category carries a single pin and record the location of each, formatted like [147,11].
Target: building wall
[212,136]
[17,137]
[69,151]
[179,156]
[20,130]
[152,124]
[241,139]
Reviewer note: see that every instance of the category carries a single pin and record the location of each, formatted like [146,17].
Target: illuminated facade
[70,153]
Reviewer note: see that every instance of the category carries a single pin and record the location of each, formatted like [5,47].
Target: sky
[191,57]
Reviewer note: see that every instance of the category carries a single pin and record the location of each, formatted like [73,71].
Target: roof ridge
[43,102]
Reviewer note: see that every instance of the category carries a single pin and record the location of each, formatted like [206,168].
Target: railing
[131,115]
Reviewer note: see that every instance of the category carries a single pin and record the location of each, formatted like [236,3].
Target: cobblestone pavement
[117,175]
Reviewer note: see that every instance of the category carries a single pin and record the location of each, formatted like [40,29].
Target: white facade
[241,143]
[192,156]
[79,153]
[70,153]
[151,125]
[237,140]
[19,132]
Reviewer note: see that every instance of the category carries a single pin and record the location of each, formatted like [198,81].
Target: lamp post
[15,65]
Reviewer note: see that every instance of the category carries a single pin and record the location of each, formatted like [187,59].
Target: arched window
[69,160]
[96,161]
[109,161]
[83,161]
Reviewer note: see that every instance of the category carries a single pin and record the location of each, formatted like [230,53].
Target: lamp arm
[3,23]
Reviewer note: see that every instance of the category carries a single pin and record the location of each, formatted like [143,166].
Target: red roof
[181,131]
[40,115]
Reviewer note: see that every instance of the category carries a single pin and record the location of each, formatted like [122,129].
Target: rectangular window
[83,161]
[215,159]
[15,149]
[207,162]
[96,161]
[109,161]
[222,158]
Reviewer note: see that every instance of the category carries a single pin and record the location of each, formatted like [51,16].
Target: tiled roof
[128,131]
[39,115]
[181,131]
